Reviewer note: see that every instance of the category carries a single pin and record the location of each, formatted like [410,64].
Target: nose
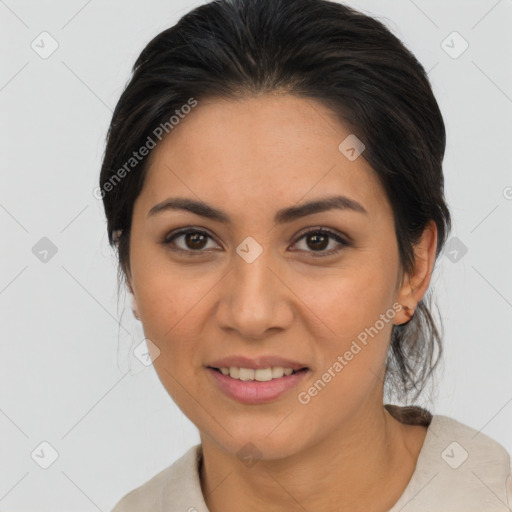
[255,299]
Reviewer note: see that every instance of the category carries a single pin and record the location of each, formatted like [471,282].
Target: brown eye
[191,241]
[316,241]
[195,240]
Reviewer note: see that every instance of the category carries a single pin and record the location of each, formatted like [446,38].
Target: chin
[266,441]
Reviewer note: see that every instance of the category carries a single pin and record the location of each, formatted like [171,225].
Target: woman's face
[253,285]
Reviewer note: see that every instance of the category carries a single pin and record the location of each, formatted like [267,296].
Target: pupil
[195,238]
[315,238]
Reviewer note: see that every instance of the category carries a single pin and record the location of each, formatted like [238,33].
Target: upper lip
[257,362]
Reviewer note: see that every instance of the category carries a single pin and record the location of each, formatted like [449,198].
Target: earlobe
[408,304]
[415,286]
[135,308]
[409,313]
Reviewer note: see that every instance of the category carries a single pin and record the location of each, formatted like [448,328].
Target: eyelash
[320,254]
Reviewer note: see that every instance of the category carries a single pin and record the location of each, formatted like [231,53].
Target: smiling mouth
[258,375]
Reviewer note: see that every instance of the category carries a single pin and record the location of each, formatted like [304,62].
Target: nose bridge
[251,273]
[253,300]
[252,279]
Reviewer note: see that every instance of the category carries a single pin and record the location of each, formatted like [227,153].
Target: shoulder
[169,489]
[467,448]
[459,468]
[444,427]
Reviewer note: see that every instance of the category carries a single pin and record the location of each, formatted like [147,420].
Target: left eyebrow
[283,216]
[321,205]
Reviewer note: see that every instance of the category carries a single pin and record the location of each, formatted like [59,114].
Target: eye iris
[195,238]
[316,237]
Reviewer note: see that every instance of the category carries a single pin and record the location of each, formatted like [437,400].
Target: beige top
[458,470]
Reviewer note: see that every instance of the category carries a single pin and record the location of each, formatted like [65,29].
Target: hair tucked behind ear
[312,49]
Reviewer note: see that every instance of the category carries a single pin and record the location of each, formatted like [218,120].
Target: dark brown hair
[312,49]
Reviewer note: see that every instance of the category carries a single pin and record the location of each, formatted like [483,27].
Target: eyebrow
[282,216]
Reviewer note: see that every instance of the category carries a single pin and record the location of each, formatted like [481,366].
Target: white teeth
[277,371]
[261,374]
[246,374]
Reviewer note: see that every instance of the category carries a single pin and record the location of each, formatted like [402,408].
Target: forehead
[272,148]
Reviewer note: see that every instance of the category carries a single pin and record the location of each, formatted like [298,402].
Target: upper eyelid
[329,231]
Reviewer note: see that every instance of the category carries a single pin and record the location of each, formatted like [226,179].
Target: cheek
[173,306]
[352,319]
[170,309]
[168,297]
[352,351]
[347,300]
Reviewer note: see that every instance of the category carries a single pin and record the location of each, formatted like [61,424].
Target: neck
[367,462]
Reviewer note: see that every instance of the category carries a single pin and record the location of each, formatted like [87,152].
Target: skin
[250,158]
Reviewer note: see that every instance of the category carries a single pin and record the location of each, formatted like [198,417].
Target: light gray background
[67,376]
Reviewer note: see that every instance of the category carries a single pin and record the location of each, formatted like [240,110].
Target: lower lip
[256,392]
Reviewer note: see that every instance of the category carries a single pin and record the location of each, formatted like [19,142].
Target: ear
[415,285]
[135,307]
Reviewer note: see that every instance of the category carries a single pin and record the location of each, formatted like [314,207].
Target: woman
[273,184]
